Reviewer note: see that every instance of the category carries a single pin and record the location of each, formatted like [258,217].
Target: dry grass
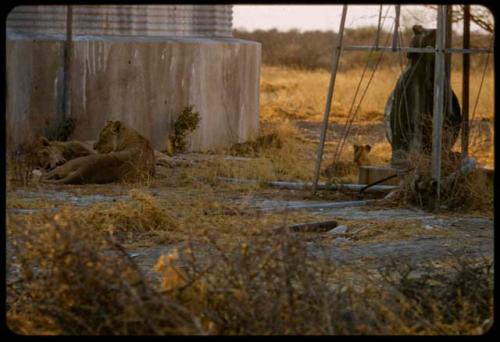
[464,192]
[291,160]
[291,97]
[126,220]
[139,217]
[363,232]
[144,219]
[296,94]
[256,280]
[76,281]
[13,202]
[301,94]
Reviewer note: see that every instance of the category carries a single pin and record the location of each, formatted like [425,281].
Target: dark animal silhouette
[409,110]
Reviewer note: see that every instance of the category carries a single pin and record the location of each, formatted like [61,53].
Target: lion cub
[343,168]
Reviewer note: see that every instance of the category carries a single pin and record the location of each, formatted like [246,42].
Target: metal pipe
[323,226]
[412,49]
[326,205]
[469,51]
[377,39]
[331,86]
[465,83]
[366,187]
[448,36]
[350,187]
[308,185]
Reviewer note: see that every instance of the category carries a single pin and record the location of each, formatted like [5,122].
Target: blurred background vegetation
[314,49]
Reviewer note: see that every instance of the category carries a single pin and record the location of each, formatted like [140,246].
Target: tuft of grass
[465,192]
[139,218]
[127,220]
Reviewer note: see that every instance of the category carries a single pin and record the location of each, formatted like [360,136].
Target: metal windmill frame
[442,52]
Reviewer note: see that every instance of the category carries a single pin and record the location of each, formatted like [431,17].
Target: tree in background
[479,15]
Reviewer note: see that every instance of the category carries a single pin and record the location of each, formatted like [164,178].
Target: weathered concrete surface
[144,81]
[34,87]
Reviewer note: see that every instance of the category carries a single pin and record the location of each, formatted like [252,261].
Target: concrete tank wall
[145,81]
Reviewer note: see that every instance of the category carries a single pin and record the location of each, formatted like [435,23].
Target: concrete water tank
[138,63]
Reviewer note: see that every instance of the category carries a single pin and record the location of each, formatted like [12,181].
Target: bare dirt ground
[372,132]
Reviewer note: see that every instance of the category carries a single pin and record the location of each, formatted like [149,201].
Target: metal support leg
[439,98]
[465,83]
[396,28]
[377,39]
[447,57]
[331,86]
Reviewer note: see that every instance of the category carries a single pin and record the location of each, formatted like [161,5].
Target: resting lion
[50,154]
[123,154]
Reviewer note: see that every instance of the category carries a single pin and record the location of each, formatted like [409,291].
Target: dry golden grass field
[292,104]
[299,96]
[185,253]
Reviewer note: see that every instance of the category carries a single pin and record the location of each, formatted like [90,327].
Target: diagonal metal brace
[331,86]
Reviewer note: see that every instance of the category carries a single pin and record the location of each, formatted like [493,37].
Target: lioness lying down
[123,154]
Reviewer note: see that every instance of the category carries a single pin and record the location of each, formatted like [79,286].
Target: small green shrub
[186,123]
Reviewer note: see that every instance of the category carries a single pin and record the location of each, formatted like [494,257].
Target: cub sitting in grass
[123,154]
[50,154]
[342,168]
